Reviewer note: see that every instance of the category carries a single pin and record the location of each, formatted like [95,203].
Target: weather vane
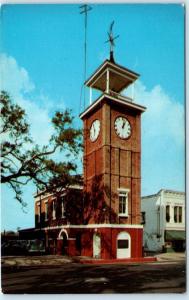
[111,40]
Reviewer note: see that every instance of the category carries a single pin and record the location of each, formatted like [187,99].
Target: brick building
[101,217]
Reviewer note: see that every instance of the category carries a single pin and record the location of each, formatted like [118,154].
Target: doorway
[96,245]
[123,245]
[64,244]
[63,235]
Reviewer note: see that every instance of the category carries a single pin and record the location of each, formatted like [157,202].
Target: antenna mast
[84,10]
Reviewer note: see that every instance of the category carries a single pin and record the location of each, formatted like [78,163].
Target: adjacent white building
[163,217]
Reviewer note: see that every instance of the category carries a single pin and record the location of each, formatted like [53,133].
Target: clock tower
[112,164]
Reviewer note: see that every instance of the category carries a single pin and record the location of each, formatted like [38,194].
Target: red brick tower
[112,164]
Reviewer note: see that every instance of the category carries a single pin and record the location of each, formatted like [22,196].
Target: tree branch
[21,182]
[19,165]
[9,159]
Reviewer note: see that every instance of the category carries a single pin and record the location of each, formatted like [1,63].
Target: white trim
[164,191]
[175,228]
[46,201]
[122,70]
[53,209]
[123,215]
[46,210]
[62,209]
[101,75]
[96,73]
[41,196]
[94,226]
[124,102]
[60,234]
[123,190]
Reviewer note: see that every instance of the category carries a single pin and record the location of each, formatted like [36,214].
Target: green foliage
[22,160]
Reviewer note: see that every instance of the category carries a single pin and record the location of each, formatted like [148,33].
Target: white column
[107,81]
[90,93]
[171,213]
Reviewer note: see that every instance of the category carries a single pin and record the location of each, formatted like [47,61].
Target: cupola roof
[119,77]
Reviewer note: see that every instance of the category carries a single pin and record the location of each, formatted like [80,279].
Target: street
[74,278]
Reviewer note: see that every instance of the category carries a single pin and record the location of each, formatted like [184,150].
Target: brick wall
[116,160]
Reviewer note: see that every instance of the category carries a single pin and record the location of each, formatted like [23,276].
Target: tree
[22,160]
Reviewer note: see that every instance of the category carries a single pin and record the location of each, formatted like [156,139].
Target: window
[178,214]
[123,203]
[38,212]
[53,210]
[123,244]
[143,215]
[175,214]
[46,210]
[167,213]
[62,209]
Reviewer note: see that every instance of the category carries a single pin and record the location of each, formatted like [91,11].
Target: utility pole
[84,10]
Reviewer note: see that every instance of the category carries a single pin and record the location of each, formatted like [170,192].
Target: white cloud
[163,138]
[14,78]
[162,123]
[16,81]
[164,117]
[39,120]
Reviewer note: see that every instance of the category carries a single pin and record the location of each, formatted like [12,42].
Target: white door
[96,245]
[123,245]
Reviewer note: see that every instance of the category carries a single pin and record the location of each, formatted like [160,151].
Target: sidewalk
[172,256]
[45,260]
[57,260]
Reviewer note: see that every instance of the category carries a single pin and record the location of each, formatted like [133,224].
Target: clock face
[94,130]
[122,127]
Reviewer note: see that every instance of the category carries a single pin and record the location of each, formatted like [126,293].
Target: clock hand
[94,129]
[123,125]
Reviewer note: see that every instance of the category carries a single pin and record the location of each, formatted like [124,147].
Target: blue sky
[42,65]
